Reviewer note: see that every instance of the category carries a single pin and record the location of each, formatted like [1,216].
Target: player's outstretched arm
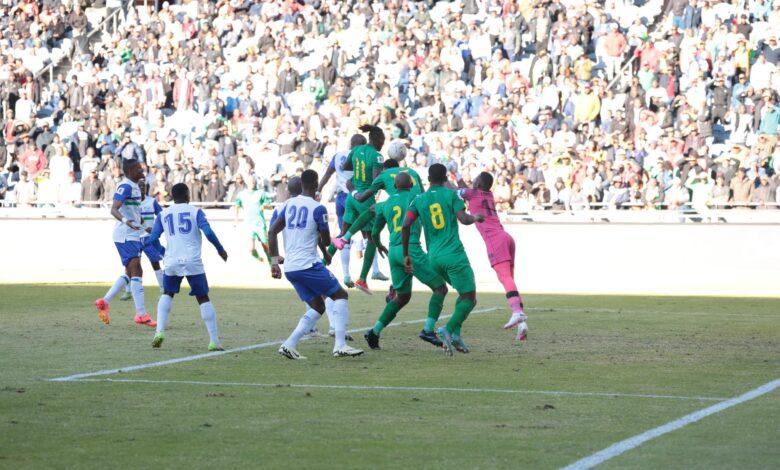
[326,177]
[468,219]
[273,243]
[360,197]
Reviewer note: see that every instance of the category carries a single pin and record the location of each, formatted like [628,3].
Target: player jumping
[500,246]
[182,224]
[126,209]
[304,222]
[439,210]
[391,212]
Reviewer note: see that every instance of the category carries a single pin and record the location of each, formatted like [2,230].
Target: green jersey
[392,213]
[437,210]
[386,181]
[253,202]
[365,159]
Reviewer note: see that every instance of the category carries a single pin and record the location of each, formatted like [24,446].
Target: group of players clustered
[361,171]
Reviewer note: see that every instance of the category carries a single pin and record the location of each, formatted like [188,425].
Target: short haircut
[357,140]
[294,186]
[128,165]
[180,192]
[310,179]
[486,179]
[390,163]
[437,173]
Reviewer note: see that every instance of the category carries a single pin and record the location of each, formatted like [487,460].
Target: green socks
[388,314]
[435,306]
[462,309]
[368,260]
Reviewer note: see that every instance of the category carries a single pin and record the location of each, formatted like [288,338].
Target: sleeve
[466,193]
[123,193]
[157,231]
[321,217]
[239,202]
[274,216]
[457,203]
[379,183]
[211,236]
[332,164]
[200,219]
[157,208]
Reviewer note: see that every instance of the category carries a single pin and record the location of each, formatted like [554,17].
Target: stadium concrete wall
[575,258]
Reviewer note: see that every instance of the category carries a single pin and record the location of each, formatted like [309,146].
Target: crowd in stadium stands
[212,92]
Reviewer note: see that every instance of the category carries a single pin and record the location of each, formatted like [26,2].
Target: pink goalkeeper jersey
[500,245]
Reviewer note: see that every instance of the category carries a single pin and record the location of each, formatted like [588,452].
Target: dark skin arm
[325,178]
[323,243]
[467,219]
[375,235]
[406,230]
[273,245]
[360,197]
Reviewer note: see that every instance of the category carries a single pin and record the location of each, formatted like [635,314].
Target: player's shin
[119,284]
[341,318]
[463,307]
[158,273]
[435,306]
[137,287]
[345,261]
[368,260]
[387,316]
[305,324]
[163,310]
[329,312]
[209,316]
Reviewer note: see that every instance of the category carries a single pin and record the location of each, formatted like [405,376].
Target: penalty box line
[401,388]
[196,357]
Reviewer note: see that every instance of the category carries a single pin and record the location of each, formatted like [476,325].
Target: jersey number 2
[185,223]
[437,216]
[396,217]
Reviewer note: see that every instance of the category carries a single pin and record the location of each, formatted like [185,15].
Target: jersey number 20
[302,215]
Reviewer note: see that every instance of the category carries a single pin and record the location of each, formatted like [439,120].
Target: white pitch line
[219,353]
[403,388]
[625,445]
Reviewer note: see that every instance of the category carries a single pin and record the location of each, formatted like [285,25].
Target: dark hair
[390,163]
[437,173]
[128,165]
[180,192]
[310,179]
[487,180]
[357,140]
[374,133]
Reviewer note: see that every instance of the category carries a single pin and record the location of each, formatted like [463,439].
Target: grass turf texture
[693,347]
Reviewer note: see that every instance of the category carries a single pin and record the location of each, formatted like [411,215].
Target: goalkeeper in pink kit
[500,246]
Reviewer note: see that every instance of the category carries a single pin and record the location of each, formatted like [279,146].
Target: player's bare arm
[118,215]
[325,178]
[467,219]
[273,245]
[323,243]
[360,197]
[406,230]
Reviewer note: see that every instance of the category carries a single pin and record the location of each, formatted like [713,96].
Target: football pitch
[596,372]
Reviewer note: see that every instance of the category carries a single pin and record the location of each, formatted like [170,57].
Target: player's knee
[202,299]
[340,294]
[470,296]
[169,294]
[403,299]
[441,290]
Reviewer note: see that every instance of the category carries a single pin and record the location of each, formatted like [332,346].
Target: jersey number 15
[185,223]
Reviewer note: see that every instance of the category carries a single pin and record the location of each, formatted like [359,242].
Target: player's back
[482,202]
[365,159]
[386,180]
[437,210]
[181,224]
[304,218]
[393,210]
[130,194]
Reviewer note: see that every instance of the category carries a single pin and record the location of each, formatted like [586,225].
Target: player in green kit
[252,201]
[439,209]
[391,213]
[365,162]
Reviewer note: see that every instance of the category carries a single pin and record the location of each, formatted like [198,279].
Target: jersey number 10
[185,223]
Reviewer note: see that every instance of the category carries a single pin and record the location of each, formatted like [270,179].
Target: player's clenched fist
[408,265]
[276,271]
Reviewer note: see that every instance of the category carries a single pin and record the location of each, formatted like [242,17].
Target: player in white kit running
[304,223]
[182,224]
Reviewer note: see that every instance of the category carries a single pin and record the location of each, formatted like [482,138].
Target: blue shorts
[198,284]
[315,281]
[153,253]
[341,206]
[129,250]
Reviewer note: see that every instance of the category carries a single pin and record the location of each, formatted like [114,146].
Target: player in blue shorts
[304,223]
[337,166]
[182,224]
[128,231]
[154,253]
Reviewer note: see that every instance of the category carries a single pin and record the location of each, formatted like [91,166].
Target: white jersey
[304,218]
[181,224]
[149,210]
[342,175]
[130,195]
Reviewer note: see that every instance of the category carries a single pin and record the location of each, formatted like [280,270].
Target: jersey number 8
[437,216]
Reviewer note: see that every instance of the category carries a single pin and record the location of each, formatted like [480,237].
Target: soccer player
[304,222]
[500,246]
[182,224]
[391,212]
[365,162]
[252,200]
[126,209]
[439,209]
[336,165]
[149,210]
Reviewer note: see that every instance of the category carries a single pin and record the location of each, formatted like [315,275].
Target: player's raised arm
[460,212]
[277,226]
[204,226]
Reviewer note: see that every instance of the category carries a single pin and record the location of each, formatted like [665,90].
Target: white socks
[345,260]
[159,275]
[163,310]
[340,319]
[119,284]
[137,288]
[329,312]
[375,266]
[305,324]
[209,316]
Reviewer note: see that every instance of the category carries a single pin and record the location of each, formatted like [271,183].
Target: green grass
[688,347]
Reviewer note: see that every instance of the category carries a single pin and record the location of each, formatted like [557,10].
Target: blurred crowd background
[570,104]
